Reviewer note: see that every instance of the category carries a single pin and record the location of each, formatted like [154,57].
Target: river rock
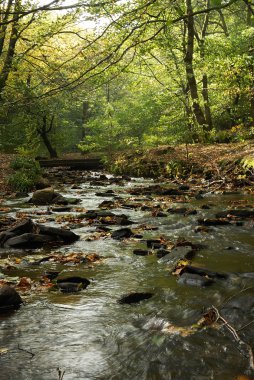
[42,183]
[195,280]
[28,241]
[108,193]
[106,204]
[122,233]
[75,280]
[155,244]
[141,252]
[160,214]
[30,235]
[5,222]
[26,225]
[204,272]
[236,213]
[177,210]
[72,284]
[4,236]
[47,196]
[201,229]
[162,252]
[9,298]
[66,236]
[134,297]
[178,253]
[69,287]
[182,210]
[61,209]
[51,274]
[214,222]
[239,311]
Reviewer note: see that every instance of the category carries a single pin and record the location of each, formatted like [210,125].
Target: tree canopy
[111,74]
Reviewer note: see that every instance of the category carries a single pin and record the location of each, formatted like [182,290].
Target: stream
[89,334]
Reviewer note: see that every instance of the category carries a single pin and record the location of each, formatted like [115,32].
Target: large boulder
[28,241]
[47,196]
[9,298]
[26,226]
[66,236]
[29,235]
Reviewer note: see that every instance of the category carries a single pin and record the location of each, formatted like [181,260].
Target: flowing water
[89,335]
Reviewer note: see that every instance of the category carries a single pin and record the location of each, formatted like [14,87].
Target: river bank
[228,166]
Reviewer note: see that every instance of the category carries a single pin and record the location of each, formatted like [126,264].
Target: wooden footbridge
[73,164]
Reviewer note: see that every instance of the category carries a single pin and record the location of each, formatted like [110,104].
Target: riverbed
[89,334]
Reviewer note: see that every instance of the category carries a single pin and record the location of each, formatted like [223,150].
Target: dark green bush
[26,173]
[21,162]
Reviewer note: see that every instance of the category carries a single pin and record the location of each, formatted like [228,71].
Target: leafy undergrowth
[224,162]
[213,162]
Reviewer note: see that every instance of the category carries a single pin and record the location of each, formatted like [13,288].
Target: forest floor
[225,163]
[5,160]
[213,162]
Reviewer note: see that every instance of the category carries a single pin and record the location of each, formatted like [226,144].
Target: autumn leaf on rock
[24,283]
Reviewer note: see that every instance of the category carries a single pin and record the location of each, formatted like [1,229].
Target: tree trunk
[3,27]
[7,66]
[43,132]
[190,74]
[208,114]
[51,150]
[85,117]
[205,93]
[250,22]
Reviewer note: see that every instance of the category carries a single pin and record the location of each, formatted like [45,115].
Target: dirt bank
[217,162]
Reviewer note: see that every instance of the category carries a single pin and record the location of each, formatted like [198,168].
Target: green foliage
[248,164]
[21,162]
[26,173]
[21,181]
[174,168]
[132,74]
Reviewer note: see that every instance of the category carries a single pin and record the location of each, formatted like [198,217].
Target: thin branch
[237,338]
[245,326]
[207,10]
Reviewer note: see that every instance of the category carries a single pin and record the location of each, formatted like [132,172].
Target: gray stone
[28,241]
[54,233]
[194,280]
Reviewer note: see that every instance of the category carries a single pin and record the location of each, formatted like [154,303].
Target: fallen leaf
[25,283]
[3,351]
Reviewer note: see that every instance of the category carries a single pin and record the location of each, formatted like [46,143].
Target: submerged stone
[72,284]
[195,280]
[141,252]
[162,252]
[214,222]
[134,297]
[204,272]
